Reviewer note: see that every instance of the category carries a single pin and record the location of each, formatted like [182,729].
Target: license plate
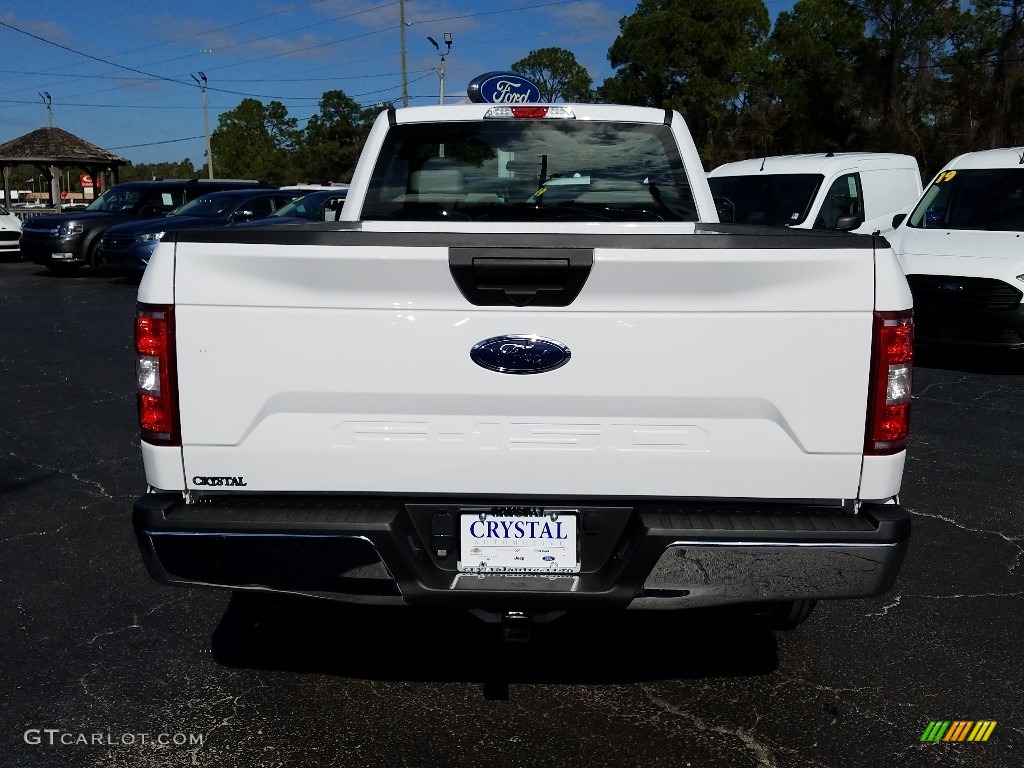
[62,256]
[544,541]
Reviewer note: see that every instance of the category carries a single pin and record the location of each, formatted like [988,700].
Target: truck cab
[856,192]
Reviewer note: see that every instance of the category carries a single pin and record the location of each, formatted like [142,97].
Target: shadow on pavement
[984,361]
[412,644]
[132,280]
[69,274]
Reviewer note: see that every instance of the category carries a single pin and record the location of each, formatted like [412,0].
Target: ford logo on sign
[502,88]
[520,354]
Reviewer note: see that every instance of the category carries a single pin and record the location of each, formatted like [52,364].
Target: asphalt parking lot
[94,650]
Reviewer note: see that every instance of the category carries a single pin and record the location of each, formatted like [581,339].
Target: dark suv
[64,242]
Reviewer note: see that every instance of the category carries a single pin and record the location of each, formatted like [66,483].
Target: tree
[146,171]
[334,138]
[255,140]
[558,75]
[814,51]
[984,85]
[697,56]
[899,61]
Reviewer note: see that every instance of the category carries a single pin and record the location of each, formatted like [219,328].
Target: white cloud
[47,29]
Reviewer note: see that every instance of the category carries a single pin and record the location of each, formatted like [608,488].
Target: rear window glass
[978,199]
[530,170]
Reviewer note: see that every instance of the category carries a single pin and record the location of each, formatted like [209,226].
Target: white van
[962,249]
[844,191]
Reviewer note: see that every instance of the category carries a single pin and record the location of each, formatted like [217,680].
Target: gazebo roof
[55,146]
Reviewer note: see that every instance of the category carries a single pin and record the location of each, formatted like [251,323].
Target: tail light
[892,367]
[157,385]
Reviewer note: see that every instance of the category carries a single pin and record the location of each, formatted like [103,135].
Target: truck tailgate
[706,365]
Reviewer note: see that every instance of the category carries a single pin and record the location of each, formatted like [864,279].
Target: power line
[155,143]
[221,28]
[101,106]
[89,55]
[188,37]
[276,55]
[391,29]
[183,38]
[284,32]
[333,79]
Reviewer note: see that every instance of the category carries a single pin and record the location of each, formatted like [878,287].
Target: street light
[444,55]
[201,82]
[47,101]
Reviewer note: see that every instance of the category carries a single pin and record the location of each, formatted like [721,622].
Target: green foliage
[333,139]
[814,51]
[558,75]
[983,94]
[934,78]
[260,141]
[145,171]
[697,56]
[255,140]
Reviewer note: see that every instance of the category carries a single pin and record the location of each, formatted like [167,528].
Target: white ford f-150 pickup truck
[520,376]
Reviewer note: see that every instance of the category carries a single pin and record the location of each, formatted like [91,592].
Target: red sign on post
[85,180]
[63,194]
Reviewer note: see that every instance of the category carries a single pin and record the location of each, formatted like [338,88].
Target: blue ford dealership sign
[502,88]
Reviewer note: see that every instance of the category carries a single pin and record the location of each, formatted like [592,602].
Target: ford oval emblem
[952,286]
[520,353]
[502,88]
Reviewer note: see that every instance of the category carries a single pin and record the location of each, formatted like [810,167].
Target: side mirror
[726,210]
[898,219]
[846,223]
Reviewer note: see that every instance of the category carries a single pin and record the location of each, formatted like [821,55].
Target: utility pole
[45,96]
[401,36]
[201,82]
[444,55]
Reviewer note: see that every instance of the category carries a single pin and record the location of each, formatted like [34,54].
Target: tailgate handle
[541,277]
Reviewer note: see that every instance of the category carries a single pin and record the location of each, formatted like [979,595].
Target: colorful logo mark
[958,730]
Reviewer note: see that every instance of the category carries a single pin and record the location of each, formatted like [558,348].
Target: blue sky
[120,74]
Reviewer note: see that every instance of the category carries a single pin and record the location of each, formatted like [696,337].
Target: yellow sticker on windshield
[947,176]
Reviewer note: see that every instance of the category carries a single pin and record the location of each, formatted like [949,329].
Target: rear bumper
[666,554]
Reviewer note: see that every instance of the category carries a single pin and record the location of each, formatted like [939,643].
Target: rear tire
[786,616]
